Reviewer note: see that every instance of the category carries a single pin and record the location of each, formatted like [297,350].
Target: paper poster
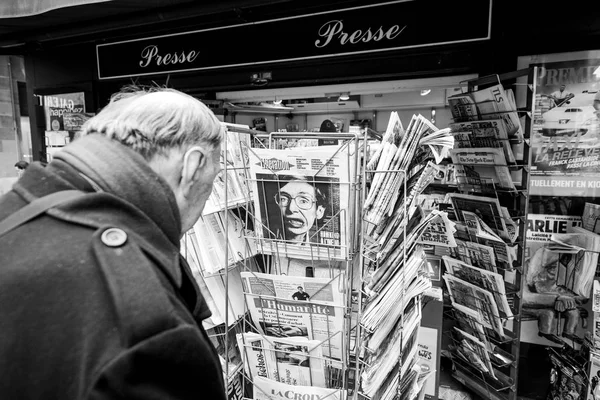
[565,139]
[56,105]
[428,340]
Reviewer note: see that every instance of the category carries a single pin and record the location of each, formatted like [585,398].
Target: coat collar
[102,209]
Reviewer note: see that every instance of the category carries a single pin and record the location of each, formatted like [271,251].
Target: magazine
[557,264]
[293,360]
[301,199]
[591,217]
[490,281]
[268,389]
[284,306]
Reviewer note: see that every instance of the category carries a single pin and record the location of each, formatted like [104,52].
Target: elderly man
[95,300]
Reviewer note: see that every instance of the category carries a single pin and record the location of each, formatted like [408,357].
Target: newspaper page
[470,321]
[267,389]
[494,102]
[463,108]
[488,162]
[293,360]
[487,133]
[489,210]
[286,306]
[491,281]
[475,254]
[475,298]
[475,352]
[565,142]
[301,199]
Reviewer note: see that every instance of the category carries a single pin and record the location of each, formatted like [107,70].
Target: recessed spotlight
[344,96]
[425,92]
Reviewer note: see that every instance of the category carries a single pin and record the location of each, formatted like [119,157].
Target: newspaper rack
[331,262]
[484,360]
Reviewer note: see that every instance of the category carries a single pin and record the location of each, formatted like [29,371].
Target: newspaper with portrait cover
[285,306]
[301,199]
[293,360]
[268,389]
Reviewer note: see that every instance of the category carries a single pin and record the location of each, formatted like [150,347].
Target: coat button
[113,237]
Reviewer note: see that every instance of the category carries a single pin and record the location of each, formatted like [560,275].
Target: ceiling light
[425,92]
[277,102]
[344,97]
[597,72]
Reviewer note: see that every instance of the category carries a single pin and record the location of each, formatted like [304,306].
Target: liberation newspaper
[285,306]
[301,199]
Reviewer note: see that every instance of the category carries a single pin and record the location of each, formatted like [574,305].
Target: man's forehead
[300,186]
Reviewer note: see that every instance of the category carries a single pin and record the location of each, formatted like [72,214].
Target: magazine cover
[284,306]
[267,389]
[567,382]
[594,381]
[565,141]
[293,360]
[558,279]
[301,199]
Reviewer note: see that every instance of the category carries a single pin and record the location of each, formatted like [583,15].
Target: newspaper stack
[488,136]
[206,242]
[396,231]
[234,169]
[396,158]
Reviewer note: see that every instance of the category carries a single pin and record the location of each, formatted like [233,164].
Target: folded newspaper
[284,306]
[267,389]
[301,199]
[293,360]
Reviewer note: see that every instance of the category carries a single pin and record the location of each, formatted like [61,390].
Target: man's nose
[293,207]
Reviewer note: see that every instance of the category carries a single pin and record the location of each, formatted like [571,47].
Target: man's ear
[194,161]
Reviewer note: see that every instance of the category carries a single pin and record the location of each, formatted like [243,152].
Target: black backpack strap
[37,207]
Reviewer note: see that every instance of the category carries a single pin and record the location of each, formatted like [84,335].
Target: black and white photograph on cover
[300,210]
[289,354]
[283,330]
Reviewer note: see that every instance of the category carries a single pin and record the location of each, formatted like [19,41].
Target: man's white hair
[156,120]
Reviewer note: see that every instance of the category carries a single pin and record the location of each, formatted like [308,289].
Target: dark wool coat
[83,320]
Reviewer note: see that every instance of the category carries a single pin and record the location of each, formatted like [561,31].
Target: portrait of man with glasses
[302,205]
